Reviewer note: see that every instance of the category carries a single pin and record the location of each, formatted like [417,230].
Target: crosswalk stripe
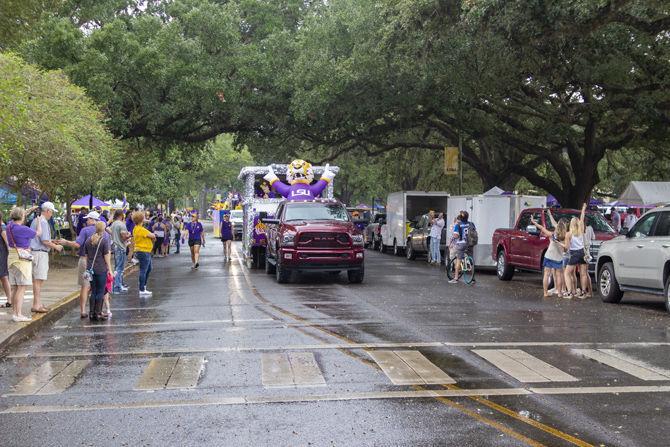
[64,379]
[171,373]
[51,377]
[288,369]
[409,368]
[622,362]
[523,366]
[306,371]
[157,373]
[186,372]
[276,369]
[430,373]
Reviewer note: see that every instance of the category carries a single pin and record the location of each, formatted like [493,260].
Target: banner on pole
[451,160]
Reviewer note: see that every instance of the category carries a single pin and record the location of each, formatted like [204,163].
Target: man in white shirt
[435,237]
[40,247]
[631,219]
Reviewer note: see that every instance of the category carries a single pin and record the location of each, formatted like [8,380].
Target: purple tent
[86,201]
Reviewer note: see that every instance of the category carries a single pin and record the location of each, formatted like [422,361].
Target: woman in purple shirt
[20,268]
[196,238]
[227,236]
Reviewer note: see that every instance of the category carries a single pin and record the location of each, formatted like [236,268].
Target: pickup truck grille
[324,240]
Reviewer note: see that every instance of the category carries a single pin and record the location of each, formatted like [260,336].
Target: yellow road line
[545,428]
[484,420]
[446,401]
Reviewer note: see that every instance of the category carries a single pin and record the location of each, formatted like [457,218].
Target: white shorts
[16,278]
[40,265]
[81,268]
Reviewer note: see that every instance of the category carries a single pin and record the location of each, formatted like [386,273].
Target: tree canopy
[545,91]
[51,134]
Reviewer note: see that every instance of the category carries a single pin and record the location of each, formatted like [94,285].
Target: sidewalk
[60,293]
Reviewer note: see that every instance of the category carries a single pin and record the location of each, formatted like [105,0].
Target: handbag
[88,273]
[24,255]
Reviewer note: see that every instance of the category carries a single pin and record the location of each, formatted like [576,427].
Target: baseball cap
[48,206]
[93,215]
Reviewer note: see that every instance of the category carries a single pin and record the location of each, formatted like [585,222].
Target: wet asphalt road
[186,366]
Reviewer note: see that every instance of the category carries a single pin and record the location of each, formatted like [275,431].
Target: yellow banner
[451,160]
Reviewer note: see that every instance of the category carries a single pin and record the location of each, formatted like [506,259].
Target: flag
[451,160]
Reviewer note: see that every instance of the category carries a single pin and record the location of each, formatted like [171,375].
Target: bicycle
[467,269]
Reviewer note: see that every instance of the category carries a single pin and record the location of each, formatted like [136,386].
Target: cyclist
[461,230]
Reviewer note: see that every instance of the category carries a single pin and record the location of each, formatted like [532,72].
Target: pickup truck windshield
[316,211]
[595,220]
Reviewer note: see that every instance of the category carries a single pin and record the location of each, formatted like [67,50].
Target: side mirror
[270,221]
[532,229]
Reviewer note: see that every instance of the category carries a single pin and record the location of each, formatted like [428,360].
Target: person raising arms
[553,257]
[574,241]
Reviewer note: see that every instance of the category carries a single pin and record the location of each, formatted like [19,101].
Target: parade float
[263,192]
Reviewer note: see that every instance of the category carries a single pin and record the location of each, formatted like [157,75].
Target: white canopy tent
[646,193]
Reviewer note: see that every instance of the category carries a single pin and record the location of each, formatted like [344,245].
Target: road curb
[56,311]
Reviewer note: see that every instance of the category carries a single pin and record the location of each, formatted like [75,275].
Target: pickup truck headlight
[357,239]
[288,239]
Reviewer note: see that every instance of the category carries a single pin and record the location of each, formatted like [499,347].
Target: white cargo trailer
[490,211]
[402,207]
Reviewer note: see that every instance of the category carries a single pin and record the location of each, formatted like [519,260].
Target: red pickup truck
[315,236]
[523,246]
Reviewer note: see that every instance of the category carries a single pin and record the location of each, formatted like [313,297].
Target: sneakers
[145,292]
[197,264]
[20,318]
[453,281]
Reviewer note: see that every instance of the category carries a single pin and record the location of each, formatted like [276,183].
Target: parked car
[317,236]
[523,246]
[373,231]
[417,240]
[638,261]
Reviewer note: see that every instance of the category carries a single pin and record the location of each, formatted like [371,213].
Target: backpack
[471,236]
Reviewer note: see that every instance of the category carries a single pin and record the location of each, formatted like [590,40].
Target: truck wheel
[356,276]
[608,285]
[409,251]
[283,276]
[503,269]
[269,267]
[667,293]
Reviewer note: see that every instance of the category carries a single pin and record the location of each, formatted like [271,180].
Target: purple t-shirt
[84,235]
[300,191]
[130,225]
[19,236]
[194,230]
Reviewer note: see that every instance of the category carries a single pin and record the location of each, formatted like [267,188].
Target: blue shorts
[548,263]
